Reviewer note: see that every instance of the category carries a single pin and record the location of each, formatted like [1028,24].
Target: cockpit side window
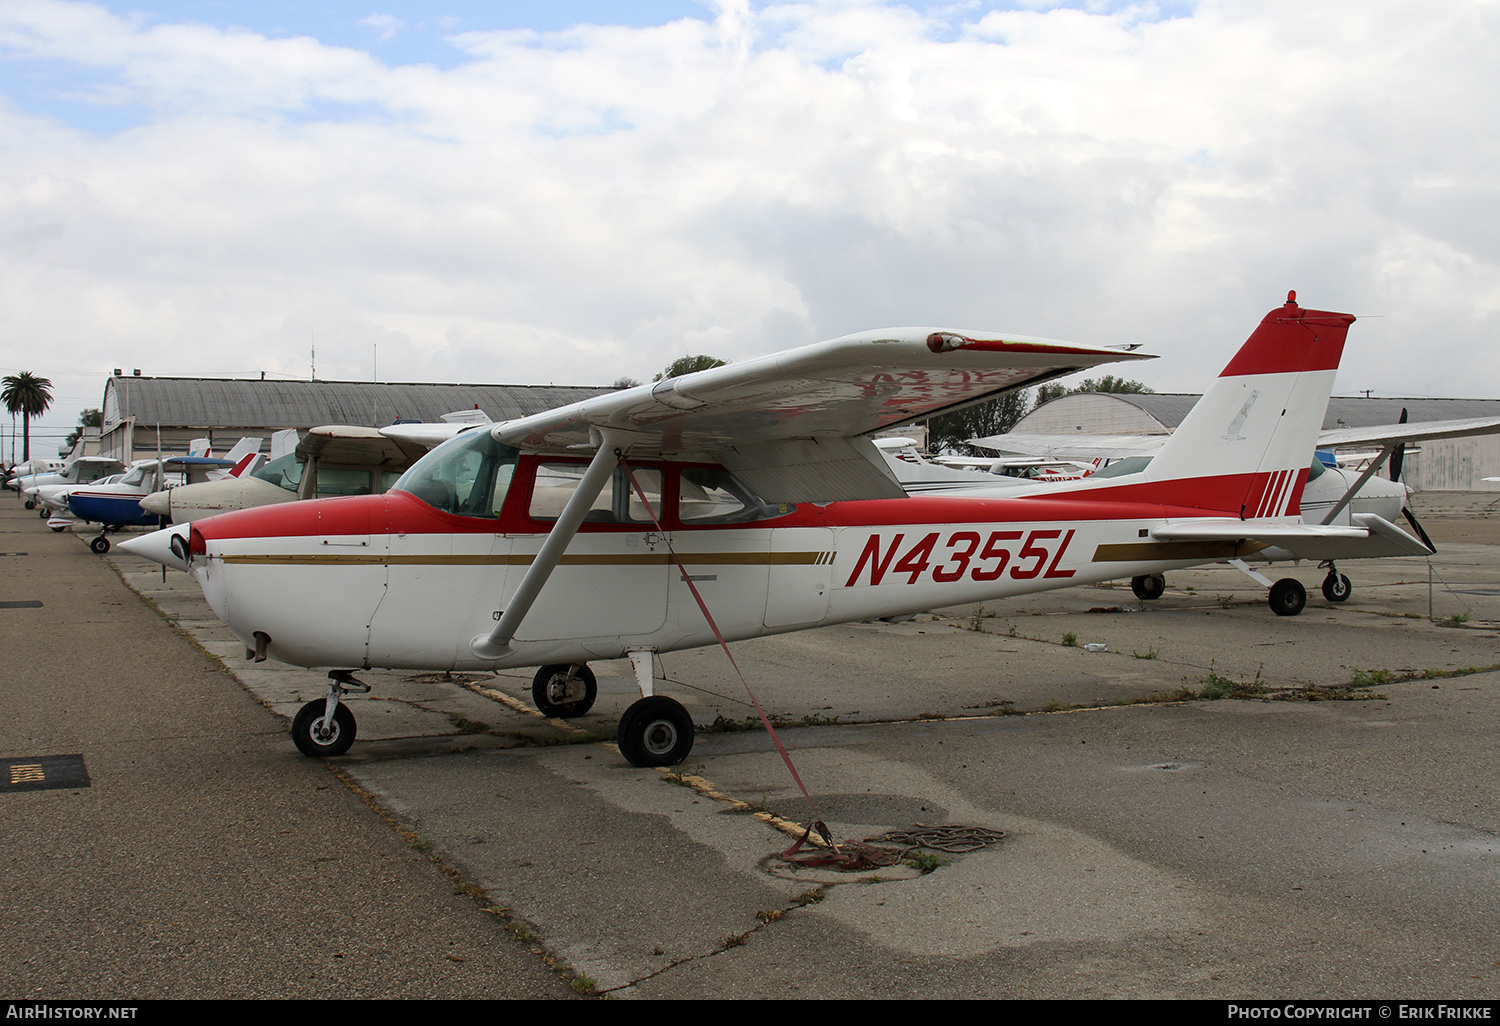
[467,476]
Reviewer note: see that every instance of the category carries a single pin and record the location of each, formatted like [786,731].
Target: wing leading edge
[851,386]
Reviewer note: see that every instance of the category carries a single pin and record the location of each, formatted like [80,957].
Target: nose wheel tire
[311,736]
[100,545]
[564,690]
[1287,597]
[655,731]
[1149,586]
[1336,587]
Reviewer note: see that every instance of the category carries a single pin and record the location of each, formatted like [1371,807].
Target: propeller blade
[1410,519]
[1400,451]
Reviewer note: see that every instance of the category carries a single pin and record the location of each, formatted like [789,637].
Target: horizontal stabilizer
[1270,532]
[1373,537]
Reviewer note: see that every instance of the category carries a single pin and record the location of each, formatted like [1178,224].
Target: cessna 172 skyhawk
[612,527]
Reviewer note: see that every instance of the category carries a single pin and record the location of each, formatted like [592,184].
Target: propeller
[1399,452]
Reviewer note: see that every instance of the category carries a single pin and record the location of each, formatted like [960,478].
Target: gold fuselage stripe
[521,559]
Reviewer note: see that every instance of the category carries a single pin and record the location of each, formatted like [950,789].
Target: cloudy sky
[579,190]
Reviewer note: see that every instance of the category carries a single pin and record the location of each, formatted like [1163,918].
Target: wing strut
[496,644]
[1375,465]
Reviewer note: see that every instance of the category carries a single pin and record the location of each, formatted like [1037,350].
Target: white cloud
[385,25]
[579,205]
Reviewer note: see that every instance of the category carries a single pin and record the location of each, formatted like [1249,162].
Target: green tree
[28,395]
[87,419]
[950,432]
[1108,383]
[687,364]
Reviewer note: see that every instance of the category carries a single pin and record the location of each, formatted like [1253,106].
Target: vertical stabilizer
[1245,448]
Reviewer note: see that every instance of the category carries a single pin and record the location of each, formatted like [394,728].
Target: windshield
[467,476]
[283,472]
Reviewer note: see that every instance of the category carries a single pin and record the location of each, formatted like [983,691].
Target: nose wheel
[315,734]
[1336,587]
[325,727]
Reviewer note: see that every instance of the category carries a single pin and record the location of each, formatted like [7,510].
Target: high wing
[358,446]
[1082,446]
[792,424]
[1386,434]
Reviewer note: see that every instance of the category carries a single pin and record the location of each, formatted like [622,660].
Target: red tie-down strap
[817,819]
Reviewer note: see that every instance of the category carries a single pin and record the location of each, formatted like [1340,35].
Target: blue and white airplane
[118,505]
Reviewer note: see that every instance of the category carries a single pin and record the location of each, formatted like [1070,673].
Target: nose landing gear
[325,727]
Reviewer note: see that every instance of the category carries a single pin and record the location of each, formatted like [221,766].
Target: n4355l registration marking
[966,552]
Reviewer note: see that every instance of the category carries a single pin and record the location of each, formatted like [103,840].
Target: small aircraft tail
[247,446]
[1245,448]
[283,443]
[248,464]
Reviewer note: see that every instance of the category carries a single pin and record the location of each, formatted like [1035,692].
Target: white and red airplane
[602,529]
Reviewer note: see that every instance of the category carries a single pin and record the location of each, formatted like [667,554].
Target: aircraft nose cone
[157,546]
[158,503]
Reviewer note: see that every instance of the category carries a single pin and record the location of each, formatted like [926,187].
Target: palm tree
[28,395]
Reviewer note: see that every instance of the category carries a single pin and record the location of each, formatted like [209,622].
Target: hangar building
[139,410]
[1452,464]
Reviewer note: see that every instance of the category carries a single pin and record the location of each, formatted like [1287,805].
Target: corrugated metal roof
[235,403]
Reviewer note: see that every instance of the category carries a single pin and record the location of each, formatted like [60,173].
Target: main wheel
[57,530]
[655,731]
[1336,587]
[1287,597]
[1149,586]
[559,690]
[100,545]
[313,741]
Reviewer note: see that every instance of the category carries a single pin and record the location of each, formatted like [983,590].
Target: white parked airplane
[614,527]
[1335,494]
[332,460]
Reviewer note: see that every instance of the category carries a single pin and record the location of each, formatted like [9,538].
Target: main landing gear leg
[325,726]
[655,731]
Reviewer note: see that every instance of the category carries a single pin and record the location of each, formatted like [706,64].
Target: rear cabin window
[712,495]
[617,503]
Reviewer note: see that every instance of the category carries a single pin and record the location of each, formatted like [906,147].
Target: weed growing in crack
[926,861]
